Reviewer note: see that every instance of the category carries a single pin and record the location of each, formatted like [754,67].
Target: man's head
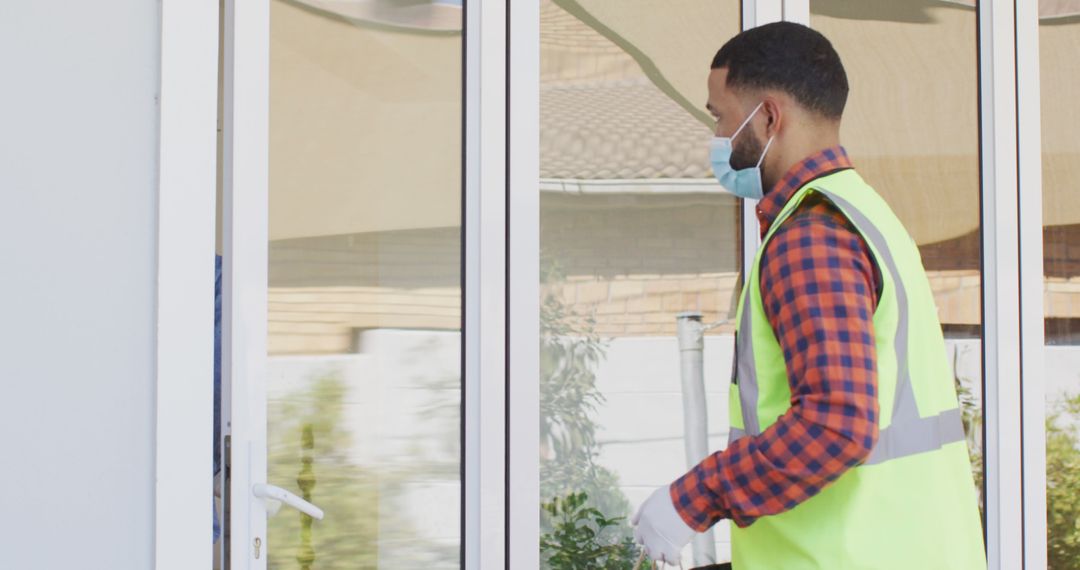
[796,76]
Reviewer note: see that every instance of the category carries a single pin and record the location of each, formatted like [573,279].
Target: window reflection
[1059,36]
[364,383]
[912,128]
[633,231]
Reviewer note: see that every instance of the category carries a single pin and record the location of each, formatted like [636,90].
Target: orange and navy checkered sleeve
[820,288]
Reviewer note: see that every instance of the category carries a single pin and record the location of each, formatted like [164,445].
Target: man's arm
[819,288]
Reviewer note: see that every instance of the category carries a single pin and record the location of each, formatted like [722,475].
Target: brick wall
[630,262]
[325,290]
[646,305]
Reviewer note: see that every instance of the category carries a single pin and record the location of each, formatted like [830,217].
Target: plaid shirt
[820,288]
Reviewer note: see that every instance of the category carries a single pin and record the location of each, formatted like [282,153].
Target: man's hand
[660,529]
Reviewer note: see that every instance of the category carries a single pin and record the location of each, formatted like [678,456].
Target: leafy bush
[584,539]
[1063,486]
[570,478]
[1062,474]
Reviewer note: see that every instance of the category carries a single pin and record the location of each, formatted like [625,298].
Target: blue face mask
[745,183]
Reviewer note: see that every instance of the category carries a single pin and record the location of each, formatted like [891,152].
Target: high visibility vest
[913,502]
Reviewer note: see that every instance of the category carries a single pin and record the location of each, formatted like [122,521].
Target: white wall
[78,148]
[640,423]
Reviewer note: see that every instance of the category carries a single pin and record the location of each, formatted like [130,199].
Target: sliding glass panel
[912,129]
[633,231]
[1059,38]
[364,385]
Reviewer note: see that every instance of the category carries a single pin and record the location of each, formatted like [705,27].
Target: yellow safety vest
[913,503]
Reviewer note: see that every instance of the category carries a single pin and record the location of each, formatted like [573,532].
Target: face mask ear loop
[747,120]
[764,152]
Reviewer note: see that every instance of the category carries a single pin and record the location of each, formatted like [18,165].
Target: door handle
[273,492]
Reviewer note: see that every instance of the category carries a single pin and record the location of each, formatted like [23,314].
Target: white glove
[660,529]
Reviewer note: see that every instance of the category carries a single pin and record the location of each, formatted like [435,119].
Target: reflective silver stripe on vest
[734,435]
[908,433]
[747,371]
[918,436]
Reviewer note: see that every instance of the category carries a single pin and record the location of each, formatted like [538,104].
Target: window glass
[633,231]
[364,374]
[1059,39]
[912,129]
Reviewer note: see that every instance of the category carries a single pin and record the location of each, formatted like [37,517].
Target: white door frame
[1001,285]
[486,380]
[245,125]
[1030,264]
[245,222]
[523,237]
[187,165]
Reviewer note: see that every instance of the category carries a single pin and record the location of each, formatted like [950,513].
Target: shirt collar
[814,166]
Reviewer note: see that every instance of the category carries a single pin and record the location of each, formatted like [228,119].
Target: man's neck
[796,152]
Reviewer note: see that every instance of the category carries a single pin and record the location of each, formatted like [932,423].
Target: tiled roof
[601,117]
[625,129]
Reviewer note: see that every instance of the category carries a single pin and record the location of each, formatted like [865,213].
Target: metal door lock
[258,547]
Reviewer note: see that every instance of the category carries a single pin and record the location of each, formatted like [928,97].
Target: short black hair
[791,58]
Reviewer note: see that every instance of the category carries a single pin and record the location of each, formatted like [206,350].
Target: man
[846,447]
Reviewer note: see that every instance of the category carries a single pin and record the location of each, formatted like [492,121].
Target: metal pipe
[691,335]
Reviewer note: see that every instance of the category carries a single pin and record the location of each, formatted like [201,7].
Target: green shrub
[1063,486]
[570,478]
[582,538]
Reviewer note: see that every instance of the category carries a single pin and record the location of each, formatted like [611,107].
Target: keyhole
[258,547]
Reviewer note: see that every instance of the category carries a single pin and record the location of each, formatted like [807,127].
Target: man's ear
[774,115]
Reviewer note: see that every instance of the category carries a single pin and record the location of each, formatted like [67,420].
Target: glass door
[347,297]
[364,290]
[640,252]
[917,142]
[1059,36]
[635,237]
